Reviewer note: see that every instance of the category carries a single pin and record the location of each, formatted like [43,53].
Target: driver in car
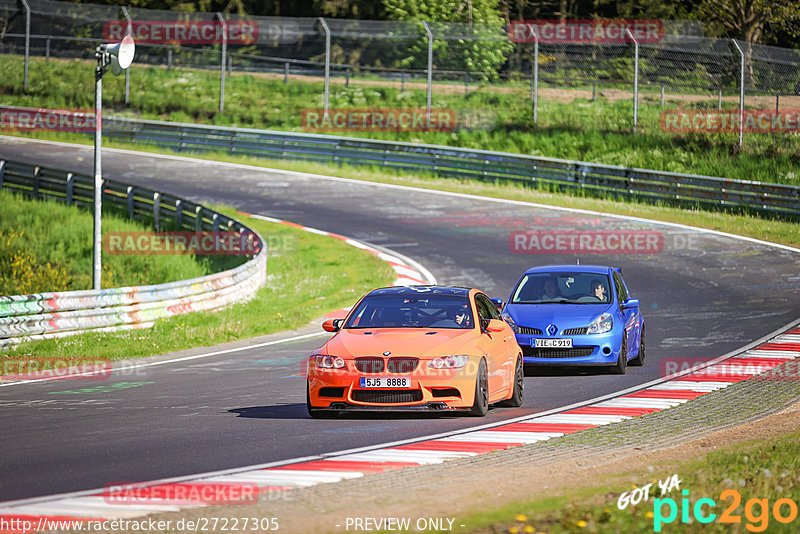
[598,290]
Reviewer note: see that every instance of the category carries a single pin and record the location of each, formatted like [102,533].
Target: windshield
[562,288]
[412,311]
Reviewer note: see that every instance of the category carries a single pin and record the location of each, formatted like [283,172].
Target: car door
[496,346]
[630,317]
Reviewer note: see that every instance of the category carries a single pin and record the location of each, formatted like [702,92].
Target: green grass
[764,469]
[308,275]
[582,130]
[46,246]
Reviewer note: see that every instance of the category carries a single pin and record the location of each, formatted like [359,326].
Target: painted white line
[399,455]
[90,507]
[502,436]
[773,354]
[278,477]
[640,403]
[787,338]
[692,386]
[582,419]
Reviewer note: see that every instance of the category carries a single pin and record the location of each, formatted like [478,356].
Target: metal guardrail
[556,174]
[50,315]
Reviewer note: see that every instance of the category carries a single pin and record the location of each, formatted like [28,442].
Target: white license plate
[553,343]
[385,382]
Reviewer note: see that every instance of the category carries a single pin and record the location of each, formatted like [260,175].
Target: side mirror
[630,304]
[498,303]
[496,325]
[331,325]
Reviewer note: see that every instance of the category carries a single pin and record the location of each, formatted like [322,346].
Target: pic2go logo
[756,511]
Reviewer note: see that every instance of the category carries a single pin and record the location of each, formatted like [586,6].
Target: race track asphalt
[702,296]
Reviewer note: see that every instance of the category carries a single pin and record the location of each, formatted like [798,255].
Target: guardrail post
[156,211]
[430,66]
[179,212]
[2,172]
[70,187]
[27,41]
[635,79]
[36,182]
[327,63]
[198,219]
[130,201]
[222,63]
[215,222]
[741,93]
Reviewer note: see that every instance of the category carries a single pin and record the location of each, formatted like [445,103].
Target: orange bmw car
[420,347]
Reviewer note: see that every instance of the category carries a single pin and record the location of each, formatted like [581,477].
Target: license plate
[553,343]
[385,382]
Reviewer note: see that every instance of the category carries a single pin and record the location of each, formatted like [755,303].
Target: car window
[562,288]
[411,311]
[622,291]
[486,309]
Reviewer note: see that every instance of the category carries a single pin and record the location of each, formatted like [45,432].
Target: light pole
[119,57]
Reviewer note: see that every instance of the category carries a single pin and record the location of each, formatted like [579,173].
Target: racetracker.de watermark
[585,31]
[586,242]
[197,243]
[137,494]
[730,121]
[731,368]
[53,120]
[234,32]
[56,368]
[379,120]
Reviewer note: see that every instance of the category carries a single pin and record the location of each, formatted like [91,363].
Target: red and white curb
[159,496]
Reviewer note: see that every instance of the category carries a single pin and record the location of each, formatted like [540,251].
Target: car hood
[351,343]
[561,315]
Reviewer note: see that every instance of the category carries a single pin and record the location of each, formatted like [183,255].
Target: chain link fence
[446,60]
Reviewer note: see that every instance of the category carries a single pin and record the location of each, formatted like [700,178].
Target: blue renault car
[576,315]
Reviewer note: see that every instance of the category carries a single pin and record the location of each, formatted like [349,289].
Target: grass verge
[46,246]
[308,276]
[501,115]
[761,472]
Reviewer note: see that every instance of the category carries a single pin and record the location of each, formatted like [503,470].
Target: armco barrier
[562,175]
[49,315]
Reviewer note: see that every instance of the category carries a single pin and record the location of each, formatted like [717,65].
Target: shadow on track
[298,411]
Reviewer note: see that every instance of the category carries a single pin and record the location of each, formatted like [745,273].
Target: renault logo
[552,330]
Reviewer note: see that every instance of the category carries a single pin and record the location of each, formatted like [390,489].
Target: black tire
[622,361]
[515,401]
[313,412]
[481,405]
[638,361]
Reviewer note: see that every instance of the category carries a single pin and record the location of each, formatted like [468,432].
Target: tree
[468,34]
[746,19]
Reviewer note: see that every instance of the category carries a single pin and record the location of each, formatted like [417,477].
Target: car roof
[595,269]
[422,290]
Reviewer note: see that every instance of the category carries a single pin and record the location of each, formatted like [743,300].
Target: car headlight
[329,362]
[449,362]
[511,322]
[601,325]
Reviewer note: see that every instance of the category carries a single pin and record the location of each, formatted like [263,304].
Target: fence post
[327,64]
[347,78]
[535,74]
[662,96]
[285,73]
[594,90]
[222,62]
[719,100]
[403,82]
[47,51]
[430,66]
[128,70]
[466,83]
[230,66]
[635,79]
[741,93]
[777,102]
[27,41]
[169,60]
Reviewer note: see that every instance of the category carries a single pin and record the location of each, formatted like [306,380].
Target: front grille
[529,330]
[370,364]
[574,352]
[575,331]
[387,396]
[402,364]
[331,392]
